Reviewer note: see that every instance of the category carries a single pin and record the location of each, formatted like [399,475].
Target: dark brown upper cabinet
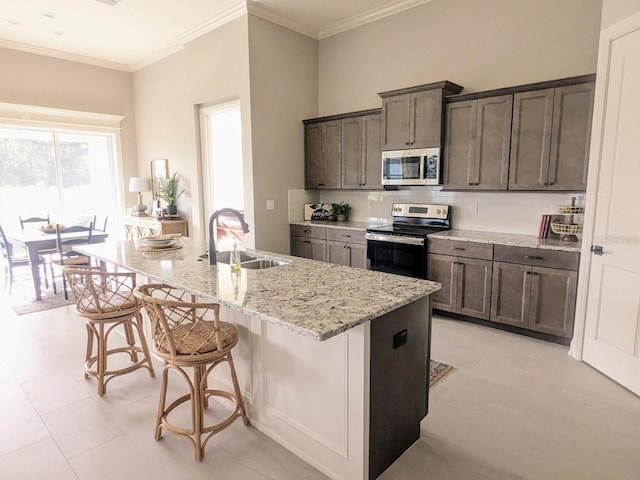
[322,154]
[550,138]
[343,151]
[361,155]
[412,117]
[476,147]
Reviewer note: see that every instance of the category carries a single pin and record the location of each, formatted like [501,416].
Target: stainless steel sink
[224,257]
[259,263]
[249,261]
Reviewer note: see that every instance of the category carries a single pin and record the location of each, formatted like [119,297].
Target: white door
[612,313]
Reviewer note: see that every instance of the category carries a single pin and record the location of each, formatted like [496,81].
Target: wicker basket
[566,229]
[569,210]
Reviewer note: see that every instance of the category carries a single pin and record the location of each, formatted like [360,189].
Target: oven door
[397,254]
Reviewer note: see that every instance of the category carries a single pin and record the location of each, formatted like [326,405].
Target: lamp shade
[139,184]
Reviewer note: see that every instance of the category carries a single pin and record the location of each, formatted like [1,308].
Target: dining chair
[12,261]
[33,220]
[189,334]
[65,255]
[40,222]
[100,223]
[106,301]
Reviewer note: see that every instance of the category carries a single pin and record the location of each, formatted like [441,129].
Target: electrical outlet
[270,205]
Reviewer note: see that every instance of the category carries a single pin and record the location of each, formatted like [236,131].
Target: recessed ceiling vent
[113,3]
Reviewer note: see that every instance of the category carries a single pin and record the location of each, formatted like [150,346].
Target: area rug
[22,298]
[437,371]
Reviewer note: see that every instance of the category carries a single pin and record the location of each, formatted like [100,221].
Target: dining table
[34,241]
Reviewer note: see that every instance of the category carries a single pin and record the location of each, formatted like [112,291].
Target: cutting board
[317,211]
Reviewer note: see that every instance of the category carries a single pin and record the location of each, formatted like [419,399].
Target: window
[64,173]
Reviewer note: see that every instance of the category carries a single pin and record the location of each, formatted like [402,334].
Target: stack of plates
[160,241]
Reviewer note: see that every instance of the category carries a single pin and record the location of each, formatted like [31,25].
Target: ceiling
[133,33]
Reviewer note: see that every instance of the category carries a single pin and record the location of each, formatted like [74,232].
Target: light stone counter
[497,238]
[317,299]
[510,239]
[360,226]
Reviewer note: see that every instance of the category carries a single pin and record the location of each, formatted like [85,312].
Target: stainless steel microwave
[420,166]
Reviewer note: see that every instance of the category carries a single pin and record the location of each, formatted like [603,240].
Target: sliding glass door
[68,175]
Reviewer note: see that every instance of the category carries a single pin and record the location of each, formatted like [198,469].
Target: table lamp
[139,185]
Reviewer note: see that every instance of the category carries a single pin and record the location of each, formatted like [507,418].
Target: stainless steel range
[401,247]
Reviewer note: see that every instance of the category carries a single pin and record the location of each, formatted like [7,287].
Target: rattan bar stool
[190,334]
[106,301]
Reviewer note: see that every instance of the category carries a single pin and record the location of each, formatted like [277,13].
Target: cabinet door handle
[307,231]
[459,248]
[307,241]
[321,184]
[533,257]
[348,236]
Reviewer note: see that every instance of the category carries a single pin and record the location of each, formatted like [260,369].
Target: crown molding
[32,114]
[244,7]
[257,10]
[72,57]
[213,23]
[368,17]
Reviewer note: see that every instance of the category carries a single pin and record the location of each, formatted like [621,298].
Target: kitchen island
[332,361]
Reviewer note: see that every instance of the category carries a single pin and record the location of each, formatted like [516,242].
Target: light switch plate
[270,205]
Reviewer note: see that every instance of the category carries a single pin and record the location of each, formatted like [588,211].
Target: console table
[138,227]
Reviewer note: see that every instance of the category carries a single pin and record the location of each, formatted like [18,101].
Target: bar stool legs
[199,395]
[98,332]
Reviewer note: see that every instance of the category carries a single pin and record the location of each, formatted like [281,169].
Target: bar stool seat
[106,301]
[190,334]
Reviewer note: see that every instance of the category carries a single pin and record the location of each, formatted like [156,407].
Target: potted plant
[169,192]
[341,211]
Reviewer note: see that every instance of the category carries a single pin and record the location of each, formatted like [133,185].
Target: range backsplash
[506,212]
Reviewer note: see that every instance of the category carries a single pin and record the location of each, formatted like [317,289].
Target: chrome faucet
[214,216]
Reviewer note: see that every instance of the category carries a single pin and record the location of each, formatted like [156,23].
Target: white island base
[349,405]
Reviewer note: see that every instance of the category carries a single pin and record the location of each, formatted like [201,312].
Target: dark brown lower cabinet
[347,254]
[346,247]
[536,298]
[309,242]
[464,270]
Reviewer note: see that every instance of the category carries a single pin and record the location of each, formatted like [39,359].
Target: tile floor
[512,408]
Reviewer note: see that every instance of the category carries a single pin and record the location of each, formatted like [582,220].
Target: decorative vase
[341,217]
[172,209]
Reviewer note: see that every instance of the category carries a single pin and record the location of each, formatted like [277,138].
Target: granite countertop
[313,298]
[510,239]
[497,238]
[362,226]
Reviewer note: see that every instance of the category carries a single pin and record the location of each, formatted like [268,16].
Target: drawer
[346,235]
[538,257]
[461,248]
[309,231]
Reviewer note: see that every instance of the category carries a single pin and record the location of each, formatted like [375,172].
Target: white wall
[615,10]
[479,44]
[212,69]
[29,79]
[284,91]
